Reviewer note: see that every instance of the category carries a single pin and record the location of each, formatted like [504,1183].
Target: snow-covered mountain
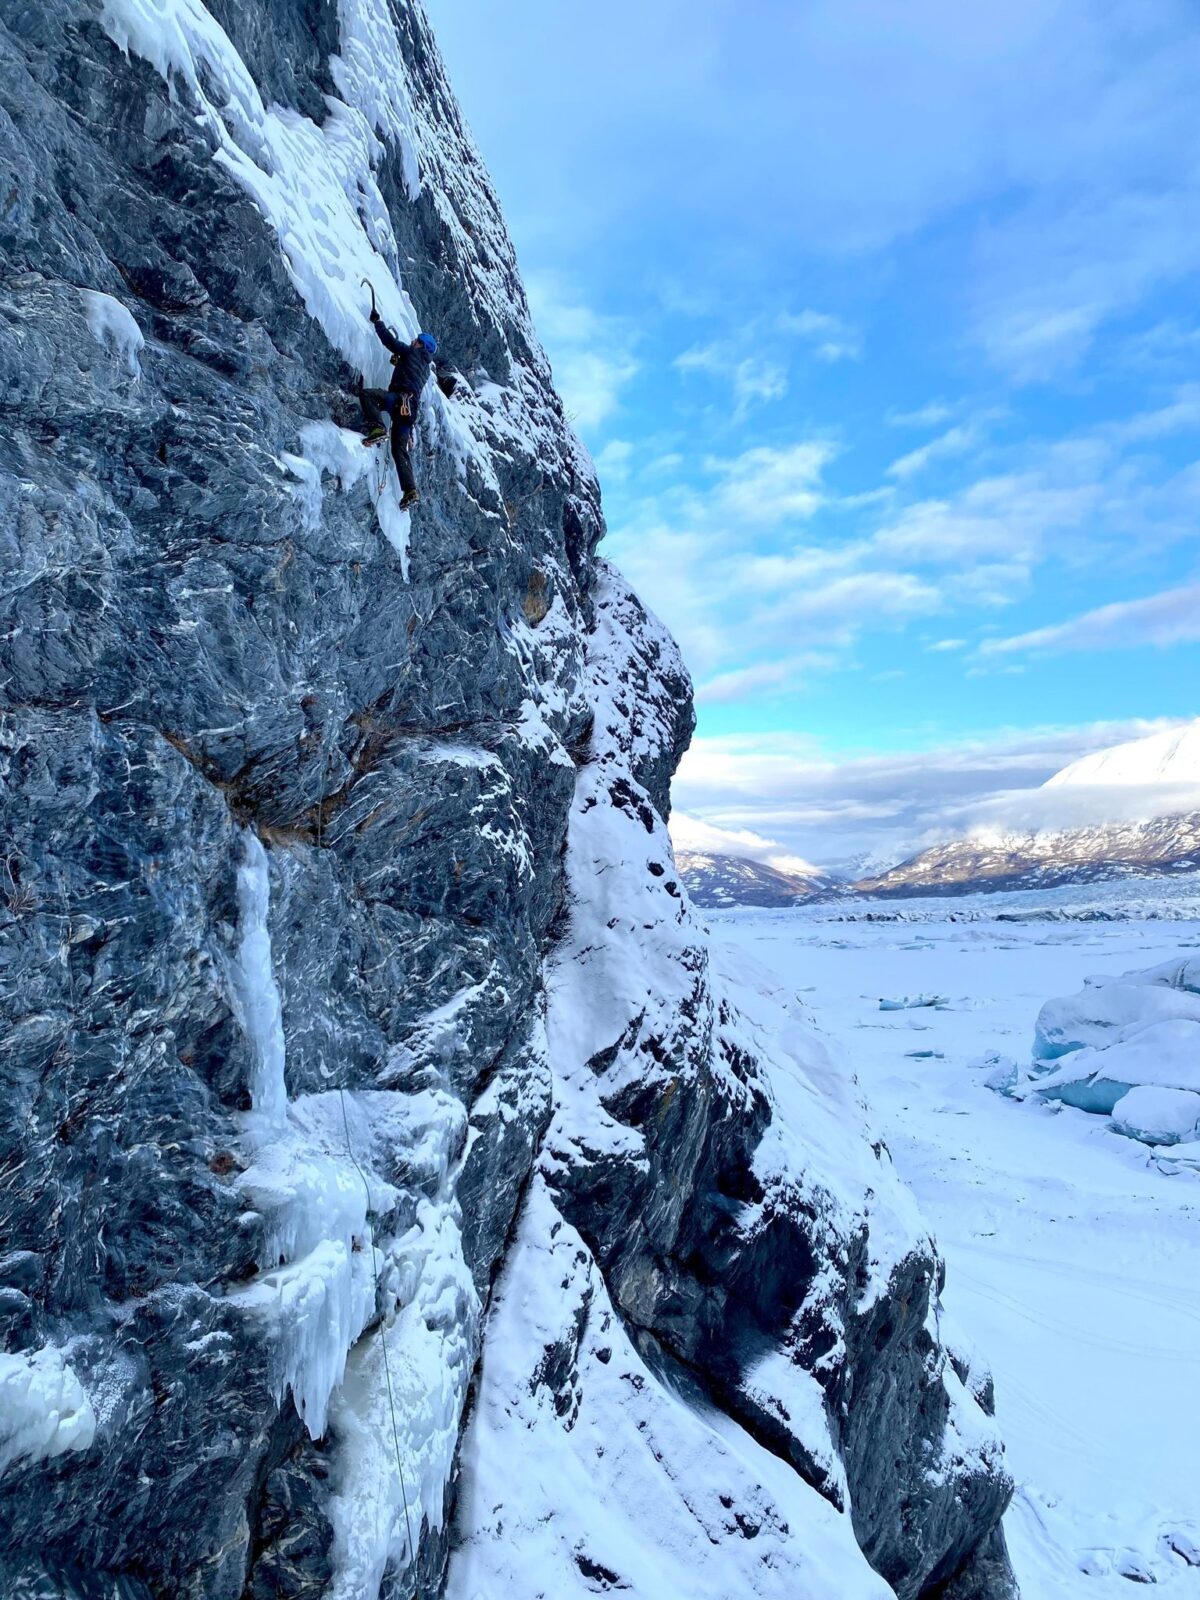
[397,1197]
[716,881]
[1166,758]
[1141,802]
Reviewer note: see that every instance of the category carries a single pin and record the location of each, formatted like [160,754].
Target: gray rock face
[260,1160]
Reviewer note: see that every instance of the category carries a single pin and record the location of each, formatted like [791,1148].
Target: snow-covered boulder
[1104,1012]
[1164,1055]
[1158,1116]
[1127,1048]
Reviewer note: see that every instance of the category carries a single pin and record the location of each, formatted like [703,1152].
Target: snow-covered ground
[1073,1256]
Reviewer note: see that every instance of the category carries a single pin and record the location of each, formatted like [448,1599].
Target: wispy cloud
[766,485]
[781,786]
[830,338]
[752,380]
[612,463]
[785,672]
[1169,618]
[840,608]
[592,355]
[927,416]
[954,442]
[769,546]
[1181,414]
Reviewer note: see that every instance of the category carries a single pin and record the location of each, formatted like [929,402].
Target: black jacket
[411,363]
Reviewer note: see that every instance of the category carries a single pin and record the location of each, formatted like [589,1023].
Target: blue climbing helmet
[429,342]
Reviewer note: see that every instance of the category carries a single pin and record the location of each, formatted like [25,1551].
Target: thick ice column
[257,989]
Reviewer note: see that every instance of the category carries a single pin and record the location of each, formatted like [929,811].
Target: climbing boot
[375,435]
[410,498]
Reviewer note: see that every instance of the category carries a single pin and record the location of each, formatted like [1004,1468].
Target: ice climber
[401,400]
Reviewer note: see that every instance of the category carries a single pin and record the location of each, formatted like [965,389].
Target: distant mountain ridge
[1161,771]
[718,882]
[1154,780]
[1042,859]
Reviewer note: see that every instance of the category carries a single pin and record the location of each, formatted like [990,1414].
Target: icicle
[259,993]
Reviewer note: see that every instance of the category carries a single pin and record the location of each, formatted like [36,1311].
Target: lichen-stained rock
[337,913]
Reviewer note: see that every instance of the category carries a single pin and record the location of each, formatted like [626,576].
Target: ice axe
[369,287]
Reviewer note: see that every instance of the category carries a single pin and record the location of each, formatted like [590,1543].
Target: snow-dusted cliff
[394,1201]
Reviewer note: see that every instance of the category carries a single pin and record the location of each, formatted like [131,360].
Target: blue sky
[881,322]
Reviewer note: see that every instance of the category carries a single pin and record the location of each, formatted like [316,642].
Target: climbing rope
[387,1370]
[411,1549]
[383,478]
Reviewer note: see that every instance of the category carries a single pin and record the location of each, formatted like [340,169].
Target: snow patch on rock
[114,326]
[43,1408]
[315,186]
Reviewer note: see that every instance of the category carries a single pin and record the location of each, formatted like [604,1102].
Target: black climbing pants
[378,405]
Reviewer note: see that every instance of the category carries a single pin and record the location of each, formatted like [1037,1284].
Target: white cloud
[1180,415]
[927,416]
[772,560]
[1055,275]
[591,355]
[1168,618]
[741,370]
[954,442]
[781,786]
[832,340]
[612,463]
[741,683]
[841,607]
[809,324]
[751,379]
[701,838]
[1010,516]
[1081,806]
[590,385]
[767,486]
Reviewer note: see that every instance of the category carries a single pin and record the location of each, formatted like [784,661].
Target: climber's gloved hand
[374,315]
[447,382]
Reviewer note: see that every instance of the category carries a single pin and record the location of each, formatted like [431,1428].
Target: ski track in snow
[1073,1260]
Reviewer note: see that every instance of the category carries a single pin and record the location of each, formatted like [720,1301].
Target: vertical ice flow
[257,989]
